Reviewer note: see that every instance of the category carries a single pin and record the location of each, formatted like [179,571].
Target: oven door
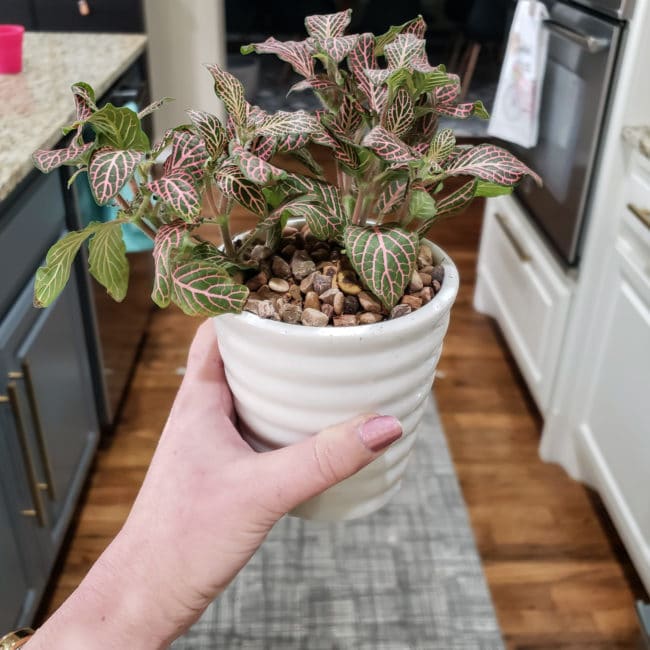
[581,56]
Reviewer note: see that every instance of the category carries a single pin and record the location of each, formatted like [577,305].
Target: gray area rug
[406,577]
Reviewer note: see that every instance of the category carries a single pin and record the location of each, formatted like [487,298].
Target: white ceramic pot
[291,381]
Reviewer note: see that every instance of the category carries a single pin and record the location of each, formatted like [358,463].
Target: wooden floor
[557,573]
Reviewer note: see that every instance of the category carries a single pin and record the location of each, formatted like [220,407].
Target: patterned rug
[407,577]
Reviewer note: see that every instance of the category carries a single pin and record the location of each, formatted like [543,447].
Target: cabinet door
[46,355]
[14,586]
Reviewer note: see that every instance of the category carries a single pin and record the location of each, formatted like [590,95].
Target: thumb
[298,472]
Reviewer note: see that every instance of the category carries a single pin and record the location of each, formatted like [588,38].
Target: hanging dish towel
[515,114]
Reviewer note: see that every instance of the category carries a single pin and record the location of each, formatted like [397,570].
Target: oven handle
[593,44]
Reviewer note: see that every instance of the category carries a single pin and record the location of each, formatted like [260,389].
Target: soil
[312,283]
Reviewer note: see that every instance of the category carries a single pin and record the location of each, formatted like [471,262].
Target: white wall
[183,35]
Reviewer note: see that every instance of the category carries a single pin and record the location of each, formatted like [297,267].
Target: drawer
[524,289]
[27,229]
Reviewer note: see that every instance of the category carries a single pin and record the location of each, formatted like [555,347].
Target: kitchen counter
[36,103]
[639,138]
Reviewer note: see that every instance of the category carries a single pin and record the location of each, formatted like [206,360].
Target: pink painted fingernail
[379,432]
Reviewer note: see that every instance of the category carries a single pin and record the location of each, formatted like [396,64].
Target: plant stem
[123,203]
[356,215]
[220,211]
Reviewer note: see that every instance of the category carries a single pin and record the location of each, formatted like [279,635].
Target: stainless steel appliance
[580,72]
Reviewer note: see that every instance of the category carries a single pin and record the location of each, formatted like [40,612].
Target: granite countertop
[36,103]
[639,138]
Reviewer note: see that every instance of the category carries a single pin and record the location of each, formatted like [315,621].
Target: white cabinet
[522,286]
[614,431]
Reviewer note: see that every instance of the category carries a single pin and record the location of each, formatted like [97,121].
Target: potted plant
[333,304]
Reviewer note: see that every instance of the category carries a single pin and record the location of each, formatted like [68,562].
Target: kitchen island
[49,424]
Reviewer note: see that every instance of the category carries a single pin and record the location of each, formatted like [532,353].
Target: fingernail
[379,432]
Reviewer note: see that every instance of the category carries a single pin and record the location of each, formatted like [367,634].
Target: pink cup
[11,48]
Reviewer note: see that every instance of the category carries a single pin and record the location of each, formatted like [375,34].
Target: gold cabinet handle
[40,433]
[642,215]
[505,227]
[38,511]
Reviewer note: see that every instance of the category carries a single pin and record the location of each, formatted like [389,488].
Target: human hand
[207,503]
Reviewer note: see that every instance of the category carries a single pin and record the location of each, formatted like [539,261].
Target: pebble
[314,318]
[426,295]
[368,318]
[438,273]
[320,255]
[426,269]
[328,296]
[260,253]
[265,293]
[329,270]
[279,285]
[307,284]
[280,267]
[338,303]
[288,251]
[369,302]
[265,309]
[414,302]
[322,283]
[294,293]
[436,285]
[426,278]
[425,255]
[291,313]
[257,281]
[252,305]
[346,320]
[302,265]
[400,310]
[311,300]
[416,283]
[289,231]
[347,281]
[350,305]
[328,310]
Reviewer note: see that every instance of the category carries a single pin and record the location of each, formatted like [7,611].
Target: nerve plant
[382,101]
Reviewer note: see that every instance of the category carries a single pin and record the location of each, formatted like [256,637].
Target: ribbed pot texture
[291,381]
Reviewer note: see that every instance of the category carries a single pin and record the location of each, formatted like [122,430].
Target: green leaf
[384,257]
[107,260]
[488,189]
[392,33]
[52,278]
[167,243]
[206,289]
[118,128]
[425,82]
[421,205]
[442,145]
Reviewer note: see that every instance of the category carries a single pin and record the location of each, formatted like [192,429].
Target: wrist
[115,606]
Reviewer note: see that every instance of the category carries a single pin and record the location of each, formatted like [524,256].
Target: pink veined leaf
[47,160]
[391,196]
[178,192]
[162,144]
[291,142]
[384,257]
[337,47]
[236,186]
[420,148]
[348,119]
[231,92]
[325,26]
[84,100]
[324,222]
[361,58]
[451,204]
[109,170]
[285,123]
[298,54]
[318,83]
[389,147]
[167,242]
[490,163]
[255,115]
[254,168]
[442,145]
[305,158]
[417,27]
[264,147]
[449,92]
[405,52]
[462,111]
[378,76]
[400,115]
[204,288]
[211,131]
[188,154]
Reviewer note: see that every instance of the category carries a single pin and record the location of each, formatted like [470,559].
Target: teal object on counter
[134,239]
